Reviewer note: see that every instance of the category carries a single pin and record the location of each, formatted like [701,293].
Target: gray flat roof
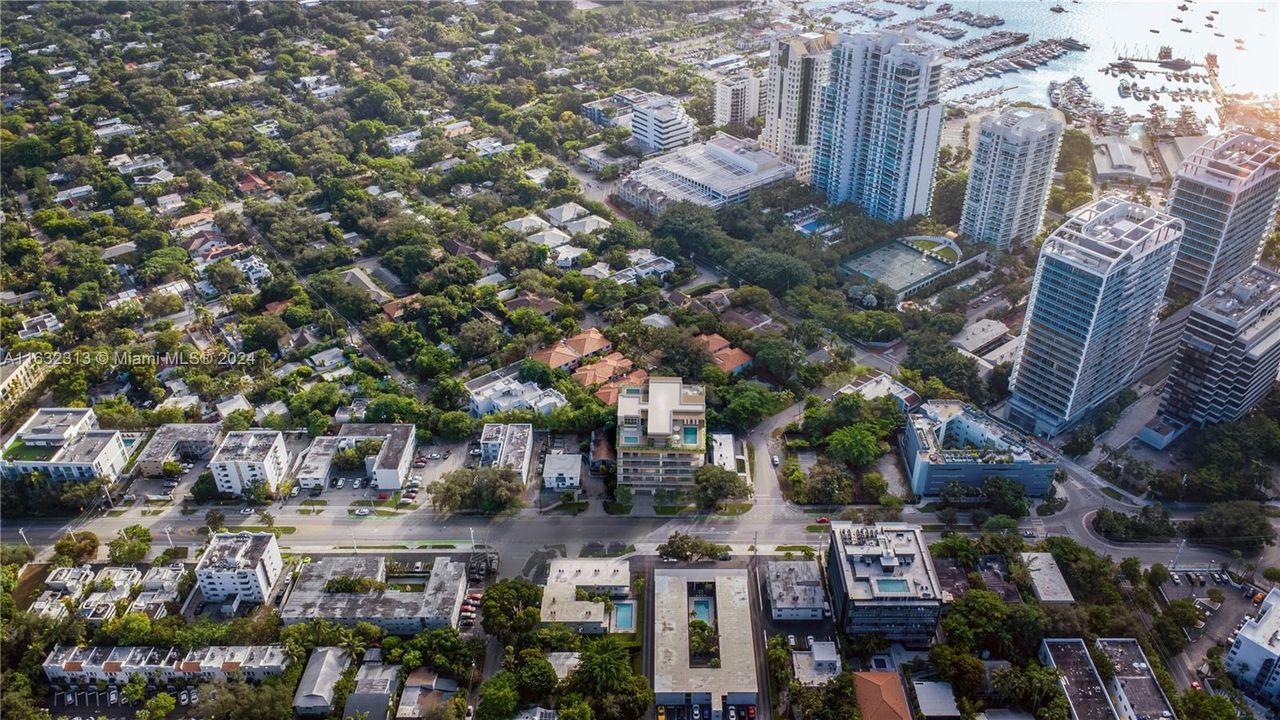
[671,673]
[1046,578]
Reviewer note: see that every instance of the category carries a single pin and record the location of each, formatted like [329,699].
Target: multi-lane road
[771,521]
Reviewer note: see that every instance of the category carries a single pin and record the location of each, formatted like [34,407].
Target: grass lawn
[310,511]
[20,451]
[617,508]
[377,511]
[315,503]
[817,528]
[672,509]
[116,513]
[793,548]
[572,508]
[734,509]
[390,502]
[150,513]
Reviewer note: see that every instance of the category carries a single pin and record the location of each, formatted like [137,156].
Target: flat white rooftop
[671,672]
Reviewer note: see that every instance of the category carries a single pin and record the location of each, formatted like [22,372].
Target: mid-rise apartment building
[661,433]
[249,458]
[509,446]
[1010,177]
[880,122]
[1226,194]
[797,71]
[1254,657]
[738,98]
[64,444]
[948,441]
[18,376]
[1228,356]
[661,124]
[244,564]
[883,582]
[1094,300]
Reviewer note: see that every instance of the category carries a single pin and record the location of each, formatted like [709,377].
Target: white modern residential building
[797,70]
[718,172]
[598,578]
[738,98]
[1095,297]
[662,435]
[64,444]
[509,446]
[883,582]
[562,471]
[1226,193]
[69,664]
[660,124]
[1010,177]
[1254,657]
[1228,356]
[502,390]
[880,122]
[247,458]
[243,564]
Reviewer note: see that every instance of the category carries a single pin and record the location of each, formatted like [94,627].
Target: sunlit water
[1112,29]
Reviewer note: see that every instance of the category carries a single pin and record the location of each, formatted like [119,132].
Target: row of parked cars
[1201,579]
[470,610]
[114,697]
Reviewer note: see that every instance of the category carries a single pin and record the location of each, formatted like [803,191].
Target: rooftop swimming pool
[702,609]
[893,585]
[690,435]
[624,616]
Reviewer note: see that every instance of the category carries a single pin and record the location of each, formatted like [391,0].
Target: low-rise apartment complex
[242,564]
[348,590]
[102,663]
[64,444]
[247,459]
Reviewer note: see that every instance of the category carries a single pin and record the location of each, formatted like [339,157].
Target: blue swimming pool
[810,227]
[895,585]
[702,609]
[624,616]
[690,435]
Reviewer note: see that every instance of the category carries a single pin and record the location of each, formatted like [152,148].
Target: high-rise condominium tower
[1229,353]
[797,71]
[879,124]
[1094,299]
[1010,178]
[1226,193]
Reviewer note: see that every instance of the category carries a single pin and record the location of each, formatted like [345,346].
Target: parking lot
[81,702]
[1220,623]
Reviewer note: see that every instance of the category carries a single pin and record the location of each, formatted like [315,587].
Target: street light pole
[23,533]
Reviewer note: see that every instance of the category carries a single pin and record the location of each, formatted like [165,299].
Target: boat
[1157,32]
[1178,64]
[1187,30]
[1209,25]
[1219,35]
[1177,20]
[1183,6]
[1213,12]
[1057,9]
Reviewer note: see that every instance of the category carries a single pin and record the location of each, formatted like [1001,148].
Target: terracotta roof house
[558,356]
[733,360]
[607,368]
[589,342]
[881,696]
[395,309]
[546,306]
[193,219]
[251,183]
[608,393]
[714,342]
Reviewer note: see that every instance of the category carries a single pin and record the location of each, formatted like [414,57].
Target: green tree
[856,445]
[131,545]
[215,519]
[80,546]
[510,608]
[712,485]
[499,697]
[948,197]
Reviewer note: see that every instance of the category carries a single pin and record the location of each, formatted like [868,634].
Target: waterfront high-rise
[1226,193]
[797,71]
[880,121]
[1010,178]
[737,98]
[1228,356]
[1095,297]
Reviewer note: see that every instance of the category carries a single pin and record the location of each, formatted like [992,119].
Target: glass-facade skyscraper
[1095,297]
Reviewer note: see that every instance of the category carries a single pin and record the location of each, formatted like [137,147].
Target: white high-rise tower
[1010,178]
[797,71]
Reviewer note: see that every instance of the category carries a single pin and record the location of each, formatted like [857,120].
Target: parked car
[809,640]
[475,596]
[342,482]
[824,520]
[246,511]
[776,463]
[183,698]
[362,512]
[751,712]
[295,491]
[471,712]
[791,640]
[662,712]
[733,712]
[195,697]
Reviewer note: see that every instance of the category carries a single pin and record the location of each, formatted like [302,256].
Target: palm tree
[601,665]
[352,644]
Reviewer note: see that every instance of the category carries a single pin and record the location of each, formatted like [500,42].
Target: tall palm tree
[602,664]
[352,644]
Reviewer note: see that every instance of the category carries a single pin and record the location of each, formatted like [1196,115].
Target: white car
[471,712]
[246,511]
[294,492]
[183,698]
[363,512]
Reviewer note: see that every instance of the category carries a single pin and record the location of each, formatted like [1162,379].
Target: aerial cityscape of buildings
[738,361]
